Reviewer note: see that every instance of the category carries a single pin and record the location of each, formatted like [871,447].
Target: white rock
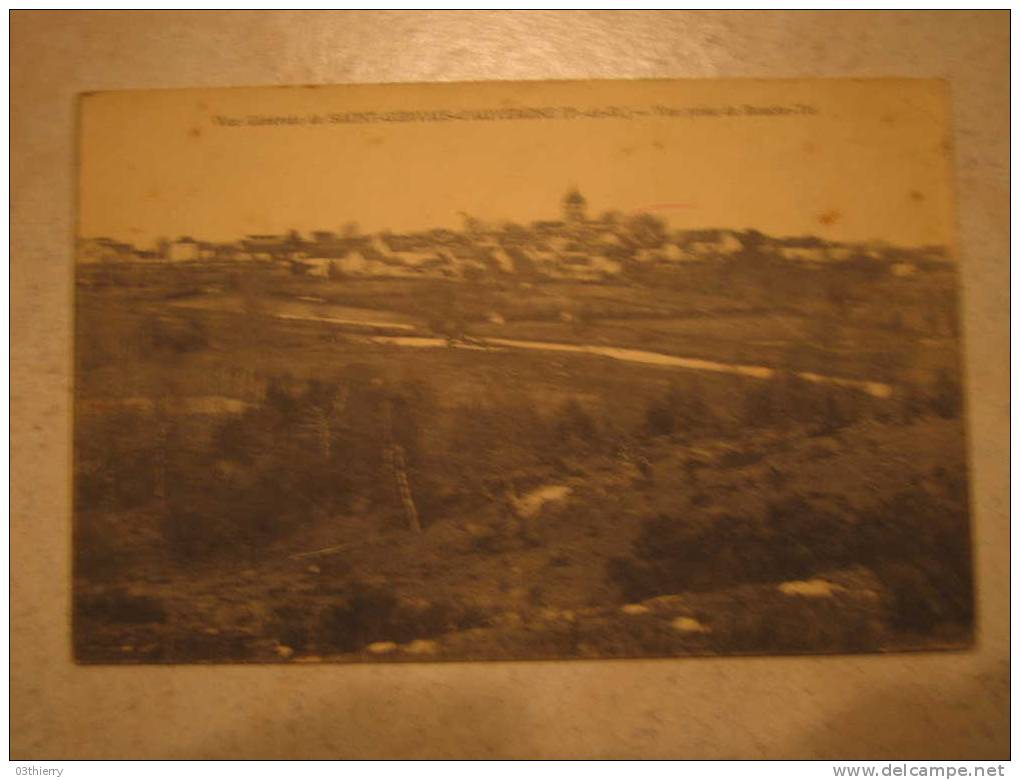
[634,609]
[284,652]
[816,589]
[381,648]
[313,569]
[689,625]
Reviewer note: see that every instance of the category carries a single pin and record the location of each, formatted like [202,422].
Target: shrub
[120,606]
[373,612]
[210,515]
[575,424]
[671,556]
[736,459]
[910,403]
[941,396]
[681,409]
[176,335]
[307,451]
[114,457]
[792,399]
[294,624]
[765,620]
[99,551]
[660,419]
[917,543]
[946,399]
[362,618]
[792,539]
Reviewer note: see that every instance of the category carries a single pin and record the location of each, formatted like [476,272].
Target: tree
[323,416]
[574,422]
[646,230]
[472,225]
[753,241]
[447,318]
[514,233]
[946,395]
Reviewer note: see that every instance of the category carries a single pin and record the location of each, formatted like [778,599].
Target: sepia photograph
[518,370]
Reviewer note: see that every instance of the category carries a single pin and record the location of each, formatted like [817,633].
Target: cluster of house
[573,247]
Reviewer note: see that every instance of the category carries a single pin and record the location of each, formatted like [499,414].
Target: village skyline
[463,222]
[574,246]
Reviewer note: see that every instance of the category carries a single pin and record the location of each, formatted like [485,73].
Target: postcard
[536,370]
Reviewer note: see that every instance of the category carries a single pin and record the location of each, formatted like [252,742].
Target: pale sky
[872,163]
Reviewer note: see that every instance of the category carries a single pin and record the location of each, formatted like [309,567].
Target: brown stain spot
[917,196]
[374,140]
[889,119]
[152,193]
[809,147]
[658,146]
[830,217]
[202,106]
[195,132]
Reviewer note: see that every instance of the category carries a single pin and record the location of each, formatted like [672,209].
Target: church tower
[574,207]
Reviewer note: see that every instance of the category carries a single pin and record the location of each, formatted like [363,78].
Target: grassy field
[695,512]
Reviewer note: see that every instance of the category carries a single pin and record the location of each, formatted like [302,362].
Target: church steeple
[574,207]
